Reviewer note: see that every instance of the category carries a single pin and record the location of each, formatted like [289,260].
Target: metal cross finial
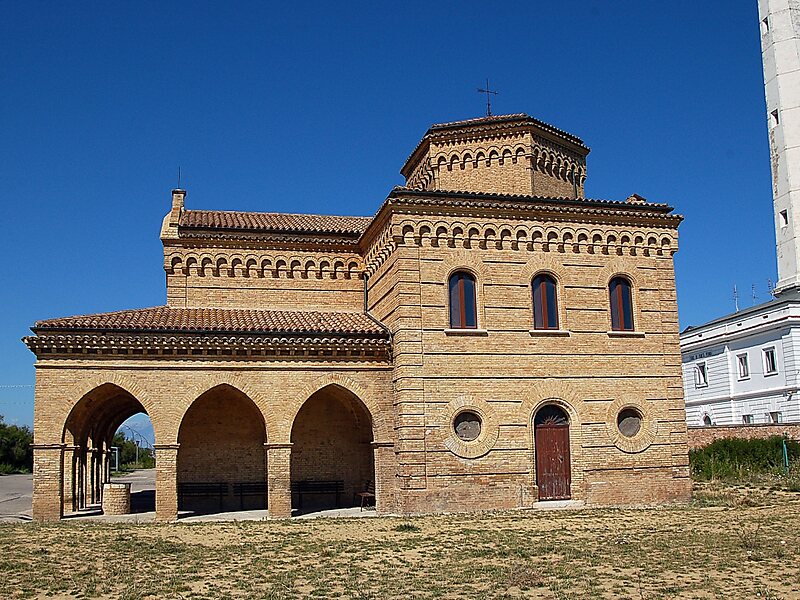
[488,93]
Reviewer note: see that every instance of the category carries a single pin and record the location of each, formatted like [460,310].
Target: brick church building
[489,339]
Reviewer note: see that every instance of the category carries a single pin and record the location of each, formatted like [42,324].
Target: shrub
[735,459]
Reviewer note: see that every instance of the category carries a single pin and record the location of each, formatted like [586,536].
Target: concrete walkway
[93,513]
[16,491]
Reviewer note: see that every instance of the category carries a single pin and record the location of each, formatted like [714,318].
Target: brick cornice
[211,346]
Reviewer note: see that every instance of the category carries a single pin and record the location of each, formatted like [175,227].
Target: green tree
[128,453]
[16,454]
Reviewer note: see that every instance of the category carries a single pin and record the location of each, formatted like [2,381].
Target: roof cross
[488,91]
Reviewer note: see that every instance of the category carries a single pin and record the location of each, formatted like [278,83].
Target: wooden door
[552,461]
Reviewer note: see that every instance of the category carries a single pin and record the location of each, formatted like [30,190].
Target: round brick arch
[85,387]
[370,404]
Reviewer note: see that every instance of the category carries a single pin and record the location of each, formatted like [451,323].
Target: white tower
[780,55]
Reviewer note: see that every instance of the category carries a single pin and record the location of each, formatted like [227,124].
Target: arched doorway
[88,436]
[551,437]
[332,456]
[221,457]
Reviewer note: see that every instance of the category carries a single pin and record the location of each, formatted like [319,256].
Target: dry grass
[732,542]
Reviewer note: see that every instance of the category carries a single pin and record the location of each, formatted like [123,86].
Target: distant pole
[179,177]
[785,456]
[488,91]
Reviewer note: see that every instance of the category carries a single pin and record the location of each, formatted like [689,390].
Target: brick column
[69,467]
[279,493]
[385,474]
[166,482]
[94,455]
[48,481]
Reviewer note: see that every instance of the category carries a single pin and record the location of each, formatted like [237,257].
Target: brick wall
[221,440]
[699,437]
[507,371]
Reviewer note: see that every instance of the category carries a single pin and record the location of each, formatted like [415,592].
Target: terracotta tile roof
[185,320]
[273,222]
[497,119]
[454,197]
[479,121]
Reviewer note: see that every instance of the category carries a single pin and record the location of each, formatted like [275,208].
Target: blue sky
[313,107]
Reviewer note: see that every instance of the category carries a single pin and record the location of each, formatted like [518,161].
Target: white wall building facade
[742,369]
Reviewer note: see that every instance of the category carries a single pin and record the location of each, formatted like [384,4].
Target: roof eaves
[399,192]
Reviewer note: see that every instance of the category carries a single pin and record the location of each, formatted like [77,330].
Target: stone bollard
[116,499]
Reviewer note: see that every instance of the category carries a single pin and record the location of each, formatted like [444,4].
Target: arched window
[545,304]
[619,291]
[463,307]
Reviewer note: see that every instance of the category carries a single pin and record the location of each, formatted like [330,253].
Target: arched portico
[358,427]
[87,438]
[331,441]
[221,463]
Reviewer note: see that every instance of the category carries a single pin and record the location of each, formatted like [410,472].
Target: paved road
[141,481]
[15,497]
[16,490]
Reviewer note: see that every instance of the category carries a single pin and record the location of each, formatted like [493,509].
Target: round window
[467,426]
[629,422]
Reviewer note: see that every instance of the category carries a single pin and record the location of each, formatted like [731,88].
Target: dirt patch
[732,542]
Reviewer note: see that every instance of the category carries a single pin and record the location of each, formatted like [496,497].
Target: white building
[743,368]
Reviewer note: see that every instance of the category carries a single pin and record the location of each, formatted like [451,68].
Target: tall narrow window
[770,362]
[743,366]
[619,290]
[700,375]
[545,303]
[463,306]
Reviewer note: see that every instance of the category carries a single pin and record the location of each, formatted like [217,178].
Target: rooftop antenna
[735,297]
[753,290]
[770,287]
[488,91]
[179,177]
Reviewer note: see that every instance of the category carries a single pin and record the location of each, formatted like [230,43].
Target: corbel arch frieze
[520,235]
[274,265]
